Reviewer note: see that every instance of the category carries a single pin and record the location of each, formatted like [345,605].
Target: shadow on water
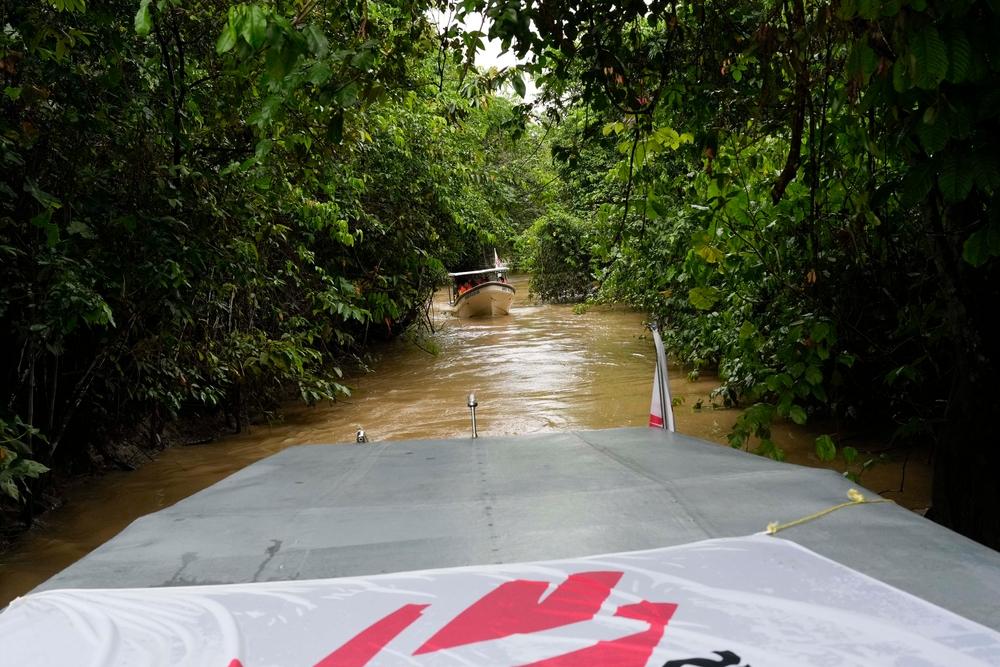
[542,368]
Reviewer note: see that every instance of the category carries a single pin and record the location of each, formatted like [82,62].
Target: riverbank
[124,452]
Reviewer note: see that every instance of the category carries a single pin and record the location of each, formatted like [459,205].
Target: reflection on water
[541,368]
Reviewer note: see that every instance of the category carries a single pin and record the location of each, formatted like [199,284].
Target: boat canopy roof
[386,517]
[479,272]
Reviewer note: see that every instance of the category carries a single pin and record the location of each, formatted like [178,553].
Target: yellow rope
[855,499]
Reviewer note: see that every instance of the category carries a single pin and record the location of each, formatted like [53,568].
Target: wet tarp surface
[320,511]
[730,602]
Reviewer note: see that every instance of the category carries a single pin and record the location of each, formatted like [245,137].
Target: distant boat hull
[486,300]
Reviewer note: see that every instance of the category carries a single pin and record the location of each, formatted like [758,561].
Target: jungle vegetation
[206,204]
[806,195]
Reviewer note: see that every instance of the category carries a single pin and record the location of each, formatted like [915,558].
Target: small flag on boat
[661,411]
[496,259]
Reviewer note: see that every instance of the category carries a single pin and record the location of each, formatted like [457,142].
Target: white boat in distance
[483,293]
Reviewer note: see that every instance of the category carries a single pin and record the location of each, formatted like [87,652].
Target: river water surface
[542,368]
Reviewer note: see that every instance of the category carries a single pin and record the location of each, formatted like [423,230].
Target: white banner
[756,601]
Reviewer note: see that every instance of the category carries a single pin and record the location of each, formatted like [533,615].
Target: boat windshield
[466,280]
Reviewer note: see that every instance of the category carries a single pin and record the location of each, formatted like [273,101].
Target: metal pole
[472,409]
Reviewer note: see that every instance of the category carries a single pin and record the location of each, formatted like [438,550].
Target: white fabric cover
[755,601]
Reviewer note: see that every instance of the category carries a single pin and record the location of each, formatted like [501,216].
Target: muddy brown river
[542,368]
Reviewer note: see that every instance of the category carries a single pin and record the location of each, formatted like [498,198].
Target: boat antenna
[472,403]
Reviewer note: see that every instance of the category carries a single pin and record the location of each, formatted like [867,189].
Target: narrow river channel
[542,368]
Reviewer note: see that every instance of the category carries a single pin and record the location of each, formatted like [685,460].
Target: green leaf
[44,198]
[928,57]
[820,393]
[280,61]
[29,468]
[710,254]
[955,179]
[959,56]
[347,96]
[986,168]
[797,414]
[821,331]
[890,7]
[655,208]
[850,455]
[319,73]
[982,245]
[79,228]
[814,375]
[703,298]
[868,9]
[254,26]
[518,82]
[44,222]
[747,331]
[363,60]
[826,449]
[768,448]
[848,9]
[143,19]
[933,131]
[318,45]
[861,62]
[69,5]
[227,40]
[9,488]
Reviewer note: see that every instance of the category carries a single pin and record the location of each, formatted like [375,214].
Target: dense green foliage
[805,193]
[205,205]
[556,250]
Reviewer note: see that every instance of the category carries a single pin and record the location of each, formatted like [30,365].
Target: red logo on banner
[517,607]
[366,645]
[630,651]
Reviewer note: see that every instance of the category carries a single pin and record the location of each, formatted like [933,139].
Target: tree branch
[799,112]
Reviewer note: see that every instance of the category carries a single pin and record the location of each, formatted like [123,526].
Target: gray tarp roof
[328,511]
